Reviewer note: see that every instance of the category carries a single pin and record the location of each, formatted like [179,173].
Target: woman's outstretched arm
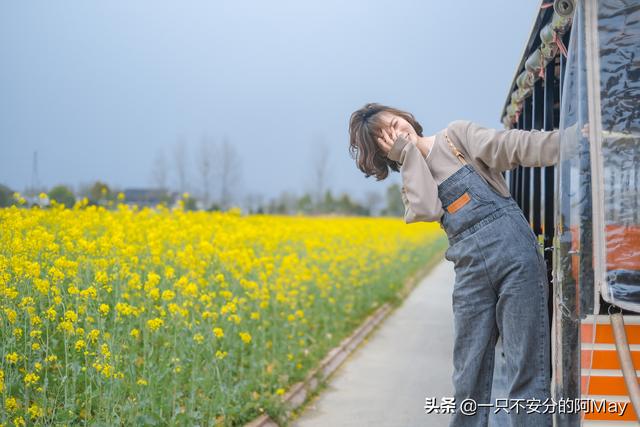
[419,188]
[507,148]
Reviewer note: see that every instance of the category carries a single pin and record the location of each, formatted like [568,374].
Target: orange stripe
[613,386]
[604,333]
[623,247]
[629,414]
[605,359]
[622,243]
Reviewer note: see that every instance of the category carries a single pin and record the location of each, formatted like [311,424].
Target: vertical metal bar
[537,99]
[547,184]
[513,182]
[518,169]
[526,171]
[563,65]
[551,85]
[596,166]
[568,290]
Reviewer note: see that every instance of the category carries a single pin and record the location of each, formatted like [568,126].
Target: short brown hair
[365,126]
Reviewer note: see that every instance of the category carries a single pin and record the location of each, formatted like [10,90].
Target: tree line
[211,182]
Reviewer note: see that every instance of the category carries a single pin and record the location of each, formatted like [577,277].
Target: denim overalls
[500,287]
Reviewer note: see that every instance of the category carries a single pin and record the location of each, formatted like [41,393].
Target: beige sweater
[490,151]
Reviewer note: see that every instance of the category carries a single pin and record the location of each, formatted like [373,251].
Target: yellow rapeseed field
[129,316]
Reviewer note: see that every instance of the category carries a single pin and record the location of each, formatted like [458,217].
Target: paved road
[409,357]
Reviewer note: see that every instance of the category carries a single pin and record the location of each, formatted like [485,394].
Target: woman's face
[402,127]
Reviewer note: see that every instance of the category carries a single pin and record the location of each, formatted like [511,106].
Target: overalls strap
[457,152]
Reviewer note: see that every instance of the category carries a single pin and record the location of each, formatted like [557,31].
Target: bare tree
[204,162]
[229,173]
[180,163]
[159,170]
[320,163]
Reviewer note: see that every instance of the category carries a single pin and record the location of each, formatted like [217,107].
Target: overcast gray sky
[97,88]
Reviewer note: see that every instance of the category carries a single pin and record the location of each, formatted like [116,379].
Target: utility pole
[35,181]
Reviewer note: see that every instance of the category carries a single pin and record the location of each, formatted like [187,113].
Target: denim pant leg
[522,317]
[474,301]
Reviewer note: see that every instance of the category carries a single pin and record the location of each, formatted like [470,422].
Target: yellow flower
[35,346]
[245,337]
[41,285]
[141,381]
[11,293]
[11,315]
[221,354]
[280,391]
[31,378]
[218,332]
[56,275]
[11,404]
[12,357]
[80,344]
[155,324]
[191,289]
[70,315]
[134,333]
[107,371]
[66,326]
[35,411]
[104,349]
[198,338]
[101,277]
[89,292]
[168,295]
[152,280]
[104,309]
[93,335]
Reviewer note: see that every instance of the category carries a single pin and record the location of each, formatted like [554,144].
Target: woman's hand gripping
[389,137]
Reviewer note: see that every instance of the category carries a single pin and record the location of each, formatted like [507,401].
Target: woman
[454,177]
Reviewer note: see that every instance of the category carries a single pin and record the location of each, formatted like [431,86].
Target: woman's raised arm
[507,148]
[419,188]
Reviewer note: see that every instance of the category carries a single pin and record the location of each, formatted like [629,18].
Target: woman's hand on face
[388,139]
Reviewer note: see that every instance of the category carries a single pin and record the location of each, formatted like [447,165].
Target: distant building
[148,196]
